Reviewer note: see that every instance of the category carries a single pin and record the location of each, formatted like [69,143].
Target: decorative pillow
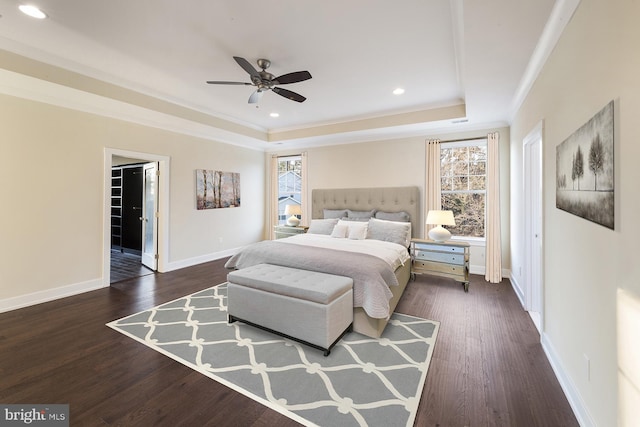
[360,215]
[334,213]
[357,229]
[340,231]
[390,231]
[322,226]
[393,216]
[362,219]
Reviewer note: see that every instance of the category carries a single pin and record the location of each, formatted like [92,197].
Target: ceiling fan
[265,81]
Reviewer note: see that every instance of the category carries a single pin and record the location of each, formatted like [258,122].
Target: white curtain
[272,217]
[493,256]
[303,197]
[432,187]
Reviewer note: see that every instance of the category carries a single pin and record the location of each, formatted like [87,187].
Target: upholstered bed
[377,260]
[385,199]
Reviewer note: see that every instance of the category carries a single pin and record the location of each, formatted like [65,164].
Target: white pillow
[358,233]
[340,231]
[357,229]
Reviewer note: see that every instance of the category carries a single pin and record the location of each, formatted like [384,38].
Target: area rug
[363,382]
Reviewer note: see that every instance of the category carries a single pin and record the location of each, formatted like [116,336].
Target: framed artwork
[585,170]
[216,189]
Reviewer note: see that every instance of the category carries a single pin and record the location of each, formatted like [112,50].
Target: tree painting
[591,195]
[596,159]
[578,165]
[216,189]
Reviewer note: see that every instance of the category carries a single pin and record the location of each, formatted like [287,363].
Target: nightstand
[282,231]
[446,259]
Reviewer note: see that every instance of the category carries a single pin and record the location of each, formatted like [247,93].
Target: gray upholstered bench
[310,307]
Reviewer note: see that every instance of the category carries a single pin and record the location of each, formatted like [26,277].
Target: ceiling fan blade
[289,95]
[298,76]
[256,97]
[229,83]
[247,66]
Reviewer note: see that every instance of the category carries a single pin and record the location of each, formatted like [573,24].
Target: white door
[149,217]
[533,226]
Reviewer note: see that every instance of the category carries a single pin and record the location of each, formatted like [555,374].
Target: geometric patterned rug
[363,382]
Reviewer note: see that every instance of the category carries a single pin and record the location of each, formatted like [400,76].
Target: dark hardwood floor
[126,266]
[488,368]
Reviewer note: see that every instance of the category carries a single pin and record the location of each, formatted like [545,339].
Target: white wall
[51,190]
[595,61]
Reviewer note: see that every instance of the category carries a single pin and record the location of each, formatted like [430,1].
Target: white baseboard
[39,297]
[517,288]
[21,301]
[176,265]
[578,406]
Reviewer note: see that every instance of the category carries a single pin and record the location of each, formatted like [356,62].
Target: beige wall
[399,162]
[595,61]
[51,190]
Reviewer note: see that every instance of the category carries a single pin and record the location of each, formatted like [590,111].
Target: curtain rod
[462,139]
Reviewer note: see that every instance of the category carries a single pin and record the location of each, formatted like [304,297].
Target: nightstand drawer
[440,248]
[451,258]
[282,231]
[427,266]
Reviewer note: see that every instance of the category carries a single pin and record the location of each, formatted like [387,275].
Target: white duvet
[392,253]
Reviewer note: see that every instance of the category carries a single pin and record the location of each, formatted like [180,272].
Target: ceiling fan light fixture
[32,11]
[398,91]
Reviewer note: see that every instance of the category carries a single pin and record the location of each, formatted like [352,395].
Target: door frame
[533,224]
[163,207]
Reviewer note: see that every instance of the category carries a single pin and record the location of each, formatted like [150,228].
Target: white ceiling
[472,54]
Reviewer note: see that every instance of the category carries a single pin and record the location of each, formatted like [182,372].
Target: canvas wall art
[216,189]
[585,170]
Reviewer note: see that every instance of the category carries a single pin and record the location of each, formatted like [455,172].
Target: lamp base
[439,234]
[293,221]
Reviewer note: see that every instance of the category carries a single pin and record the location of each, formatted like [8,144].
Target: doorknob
[143,219]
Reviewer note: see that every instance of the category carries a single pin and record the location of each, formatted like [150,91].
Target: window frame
[479,142]
[281,218]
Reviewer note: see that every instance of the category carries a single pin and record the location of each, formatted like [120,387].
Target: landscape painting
[215,189]
[585,172]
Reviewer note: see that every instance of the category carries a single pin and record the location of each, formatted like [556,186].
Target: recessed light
[32,11]
[274,115]
[398,91]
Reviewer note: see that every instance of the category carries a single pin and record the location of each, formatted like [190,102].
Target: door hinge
[155,256]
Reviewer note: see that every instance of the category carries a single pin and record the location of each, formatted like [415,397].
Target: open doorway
[134,225]
[133,219]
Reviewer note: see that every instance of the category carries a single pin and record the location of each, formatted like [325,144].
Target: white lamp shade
[440,218]
[291,211]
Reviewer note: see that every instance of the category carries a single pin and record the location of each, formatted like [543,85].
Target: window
[463,170]
[289,184]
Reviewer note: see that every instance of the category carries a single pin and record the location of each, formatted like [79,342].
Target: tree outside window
[463,171]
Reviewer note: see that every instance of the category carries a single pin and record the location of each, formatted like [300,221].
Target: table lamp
[440,218]
[291,211]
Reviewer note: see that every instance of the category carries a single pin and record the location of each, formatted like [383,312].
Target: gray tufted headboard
[387,199]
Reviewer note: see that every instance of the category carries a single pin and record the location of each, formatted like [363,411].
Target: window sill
[472,241]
